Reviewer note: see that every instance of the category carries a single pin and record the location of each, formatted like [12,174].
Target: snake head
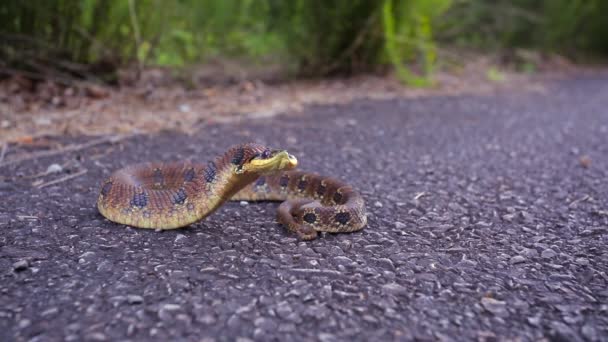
[257,159]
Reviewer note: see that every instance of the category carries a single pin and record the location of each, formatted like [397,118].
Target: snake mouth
[270,161]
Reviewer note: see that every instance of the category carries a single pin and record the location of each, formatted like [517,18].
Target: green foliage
[408,34]
[314,37]
[554,25]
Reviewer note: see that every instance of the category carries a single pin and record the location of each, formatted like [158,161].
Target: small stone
[180,238]
[243,339]
[96,336]
[494,306]
[562,332]
[244,203]
[508,217]
[582,261]
[327,337]
[548,253]
[24,323]
[590,332]
[518,259]
[265,324]
[528,218]
[394,288]
[457,207]
[529,252]
[386,263]
[87,255]
[378,204]
[287,328]
[50,312]
[414,212]
[135,299]
[283,309]
[342,260]
[400,225]
[207,319]
[21,265]
[534,321]
[171,307]
[54,168]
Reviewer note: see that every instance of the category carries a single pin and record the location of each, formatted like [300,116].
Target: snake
[170,195]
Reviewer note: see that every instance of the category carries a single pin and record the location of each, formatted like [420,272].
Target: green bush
[571,26]
[64,38]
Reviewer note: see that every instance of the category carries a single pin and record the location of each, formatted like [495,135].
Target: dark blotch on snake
[310,218]
[189,175]
[260,182]
[210,172]
[321,190]
[284,181]
[140,199]
[179,196]
[338,198]
[105,190]
[342,218]
[158,176]
[302,184]
[238,157]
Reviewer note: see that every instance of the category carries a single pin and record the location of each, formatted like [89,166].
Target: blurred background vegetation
[81,38]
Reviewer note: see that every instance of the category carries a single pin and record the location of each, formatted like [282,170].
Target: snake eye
[266,154]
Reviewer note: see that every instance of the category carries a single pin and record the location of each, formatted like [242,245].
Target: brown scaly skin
[173,195]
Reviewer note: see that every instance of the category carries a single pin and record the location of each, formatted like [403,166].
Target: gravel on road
[488,220]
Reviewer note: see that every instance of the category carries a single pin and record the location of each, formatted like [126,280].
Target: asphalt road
[488,220]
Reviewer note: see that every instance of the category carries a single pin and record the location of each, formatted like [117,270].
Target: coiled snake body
[173,195]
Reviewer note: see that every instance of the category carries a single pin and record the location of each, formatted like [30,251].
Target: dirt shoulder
[152,104]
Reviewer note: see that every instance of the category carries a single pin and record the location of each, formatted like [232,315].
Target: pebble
[400,225]
[394,288]
[517,259]
[386,263]
[327,337]
[528,218]
[590,332]
[21,265]
[494,306]
[135,299]
[96,336]
[180,238]
[562,332]
[24,323]
[171,307]
[582,261]
[50,312]
[342,260]
[54,168]
[244,203]
[207,319]
[265,324]
[414,212]
[529,252]
[508,217]
[548,253]
[534,321]
[378,204]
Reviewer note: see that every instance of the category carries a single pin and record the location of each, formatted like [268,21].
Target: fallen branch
[69,148]
[62,179]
